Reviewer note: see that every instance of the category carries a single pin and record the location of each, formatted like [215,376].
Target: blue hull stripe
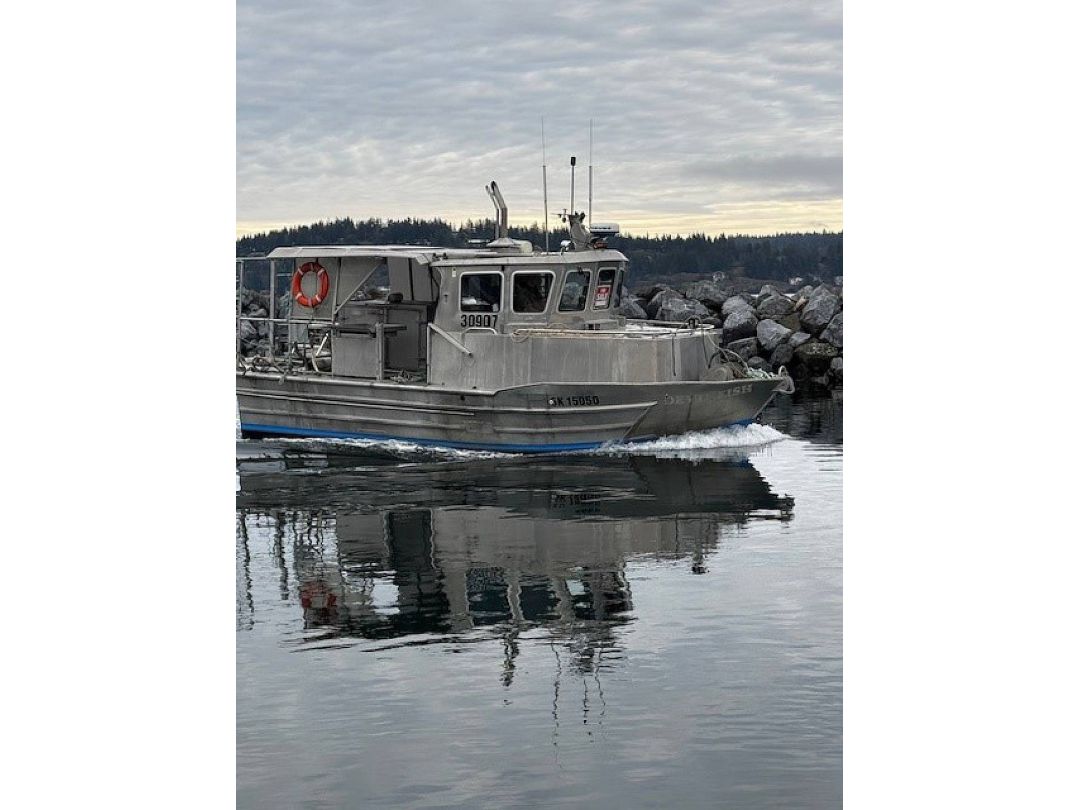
[316,433]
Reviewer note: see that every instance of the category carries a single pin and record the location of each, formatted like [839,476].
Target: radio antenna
[590,172]
[543,151]
[573,163]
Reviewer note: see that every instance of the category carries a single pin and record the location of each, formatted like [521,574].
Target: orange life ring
[324,284]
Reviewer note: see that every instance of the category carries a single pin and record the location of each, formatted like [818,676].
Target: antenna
[543,150]
[573,163]
[590,172]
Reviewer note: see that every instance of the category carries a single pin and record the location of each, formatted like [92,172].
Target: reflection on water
[683,611]
[500,544]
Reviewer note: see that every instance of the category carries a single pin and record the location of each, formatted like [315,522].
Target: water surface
[655,626]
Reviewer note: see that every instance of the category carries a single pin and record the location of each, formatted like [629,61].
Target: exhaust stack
[502,218]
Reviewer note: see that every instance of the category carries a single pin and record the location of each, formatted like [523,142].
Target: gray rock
[632,309]
[776,306]
[770,334]
[248,333]
[836,370]
[819,310]
[759,363]
[816,355]
[745,348]
[661,298]
[651,292]
[798,339]
[782,355]
[679,309]
[790,321]
[710,293]
[259,312]
[767,292]
[806,292]
[834,332]
[741,323]
[736,302]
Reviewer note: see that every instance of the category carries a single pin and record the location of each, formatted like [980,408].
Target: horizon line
[265,229]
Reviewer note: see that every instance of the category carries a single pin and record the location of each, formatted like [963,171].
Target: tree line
[812,257]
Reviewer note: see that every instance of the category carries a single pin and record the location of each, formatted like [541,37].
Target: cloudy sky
[707,116]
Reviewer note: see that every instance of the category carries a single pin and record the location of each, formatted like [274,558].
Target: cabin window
[575,290]
[605,288]
[531,291]
[481,292]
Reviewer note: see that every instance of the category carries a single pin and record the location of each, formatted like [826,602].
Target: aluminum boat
[498,346]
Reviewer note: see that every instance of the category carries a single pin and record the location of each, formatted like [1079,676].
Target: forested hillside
[811,257]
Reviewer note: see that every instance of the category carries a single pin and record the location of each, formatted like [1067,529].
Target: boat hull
[544,417]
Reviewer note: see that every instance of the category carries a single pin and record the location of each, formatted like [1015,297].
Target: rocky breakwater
[255,335]
[803,331]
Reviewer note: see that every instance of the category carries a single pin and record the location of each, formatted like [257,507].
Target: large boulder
[834,332]
[819,310]
[775,306]
[650,292]
[782,355]
[816,355]
[770,334]
[798,339]
[711,293]
[745,348]
[741,323]
[767,292]
[660,299]
[679,309]
[734,303]
[790,322]
[836,370]
[632,309]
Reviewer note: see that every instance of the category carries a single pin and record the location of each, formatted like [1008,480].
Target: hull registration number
[573,402]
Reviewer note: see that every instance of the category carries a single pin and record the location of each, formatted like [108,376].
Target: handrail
[297,321]
[446,336]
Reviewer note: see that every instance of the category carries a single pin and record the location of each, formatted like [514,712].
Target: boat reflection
[369,547]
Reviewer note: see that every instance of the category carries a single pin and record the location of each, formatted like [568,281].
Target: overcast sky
[708,116]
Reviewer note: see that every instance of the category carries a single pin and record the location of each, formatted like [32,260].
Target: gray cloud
[703,111]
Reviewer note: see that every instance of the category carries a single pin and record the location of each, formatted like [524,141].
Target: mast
[543,150]
[590,172]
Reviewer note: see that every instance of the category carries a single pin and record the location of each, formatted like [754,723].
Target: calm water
[450,629]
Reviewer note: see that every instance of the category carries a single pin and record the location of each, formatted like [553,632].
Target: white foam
[396,448]
[699,443]
[715,443]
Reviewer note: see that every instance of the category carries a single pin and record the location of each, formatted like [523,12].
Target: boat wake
[716,443]
[389,449]
[698,444]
